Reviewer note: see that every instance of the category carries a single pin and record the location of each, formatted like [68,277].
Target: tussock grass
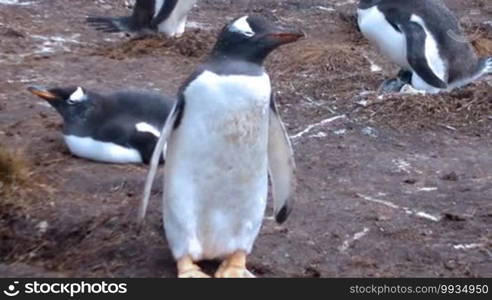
[14,171]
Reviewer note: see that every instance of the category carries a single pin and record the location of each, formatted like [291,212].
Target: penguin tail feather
[106,24]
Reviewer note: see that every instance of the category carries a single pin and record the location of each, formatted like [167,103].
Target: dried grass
[195,44]
[13,169]
[469,107]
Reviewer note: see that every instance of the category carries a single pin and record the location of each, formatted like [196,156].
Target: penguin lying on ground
[122,127]
[424,38]
[224,136]
[165,16]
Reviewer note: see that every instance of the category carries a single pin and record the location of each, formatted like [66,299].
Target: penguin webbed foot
[233,272]
[234,267]
[395,85]
[188,269]
[192,274]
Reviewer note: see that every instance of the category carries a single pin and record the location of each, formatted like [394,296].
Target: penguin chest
[390,42]
[226,122]
[232,110]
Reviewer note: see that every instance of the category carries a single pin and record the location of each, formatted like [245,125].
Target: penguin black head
[252,38]
[71,102]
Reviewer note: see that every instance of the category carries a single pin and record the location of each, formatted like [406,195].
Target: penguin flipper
[169,126]
[416,36]
[122,131]
[145,143]
[281,165]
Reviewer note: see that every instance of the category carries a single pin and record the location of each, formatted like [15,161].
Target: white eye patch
[78,95]
[242,26]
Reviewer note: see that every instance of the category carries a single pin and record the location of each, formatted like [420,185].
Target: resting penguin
[165,16]
[424,38]
[224,136]
[122,127]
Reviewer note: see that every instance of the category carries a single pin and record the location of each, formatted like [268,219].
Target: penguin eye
[71,102]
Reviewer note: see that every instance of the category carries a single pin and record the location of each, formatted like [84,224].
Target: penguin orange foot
[234,267]
[188,269]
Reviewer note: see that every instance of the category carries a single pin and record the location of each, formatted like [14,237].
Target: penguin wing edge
[145,143]
[281,165]
[169,126]
[417,59]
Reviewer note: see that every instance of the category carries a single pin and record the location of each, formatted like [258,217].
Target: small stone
[369,131]
[450,265]
[450,177]
[42,227]
[455,217]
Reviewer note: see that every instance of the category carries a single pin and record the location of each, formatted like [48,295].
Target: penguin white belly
[157,6]
[89,148]
[174,26]
[378,31]
[216,179]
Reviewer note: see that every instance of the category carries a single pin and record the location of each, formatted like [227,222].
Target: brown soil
[394,185]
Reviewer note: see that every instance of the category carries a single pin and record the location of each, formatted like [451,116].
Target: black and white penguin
[122,127]
[165,16]
[425,39]
[223,138]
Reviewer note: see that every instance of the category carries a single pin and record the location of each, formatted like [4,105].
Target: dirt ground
[388,186]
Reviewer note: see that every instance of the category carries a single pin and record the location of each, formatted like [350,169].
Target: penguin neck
[222,63]
[223,51]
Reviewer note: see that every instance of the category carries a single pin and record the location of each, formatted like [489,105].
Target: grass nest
[194,44]
[466,108]
[321,72]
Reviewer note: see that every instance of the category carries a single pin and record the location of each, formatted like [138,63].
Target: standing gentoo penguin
[421,36]
[166,16]
[224,136]
[118,128]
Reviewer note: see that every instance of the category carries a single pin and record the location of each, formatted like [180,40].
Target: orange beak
[42,93]
[286,37]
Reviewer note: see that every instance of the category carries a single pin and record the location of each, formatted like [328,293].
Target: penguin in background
[149,16]
[122,127]
[224,137]
[425,39]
